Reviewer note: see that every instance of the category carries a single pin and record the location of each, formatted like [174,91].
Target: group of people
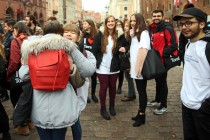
[95,53]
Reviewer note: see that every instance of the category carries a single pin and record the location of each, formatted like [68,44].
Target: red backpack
[49,70]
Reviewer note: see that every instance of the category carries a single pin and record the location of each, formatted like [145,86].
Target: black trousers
[120,79]
[93,83]
[4,120]
[161,89]
[15,92]
[196,124]
[22,111]
[141,88]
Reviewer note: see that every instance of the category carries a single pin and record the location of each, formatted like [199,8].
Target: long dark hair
[93,29]
[140,25]
[127,35]
[21,28]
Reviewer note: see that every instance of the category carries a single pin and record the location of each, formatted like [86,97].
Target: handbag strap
[19,48]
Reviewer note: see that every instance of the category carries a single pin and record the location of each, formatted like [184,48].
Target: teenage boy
[195,92]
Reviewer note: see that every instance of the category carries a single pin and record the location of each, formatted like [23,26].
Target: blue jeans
[76,131]
[51,134]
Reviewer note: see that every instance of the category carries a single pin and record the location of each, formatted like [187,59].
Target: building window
[170,6]
[206,2]
[40,3]
[125,8]
[35,2]
[125,16]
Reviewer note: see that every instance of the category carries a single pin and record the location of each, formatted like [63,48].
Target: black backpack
[207,52]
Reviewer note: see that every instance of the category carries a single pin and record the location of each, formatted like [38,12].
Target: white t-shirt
[107,59]
[196,76]
[134,49]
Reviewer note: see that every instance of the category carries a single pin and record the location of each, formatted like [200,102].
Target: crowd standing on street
[89,54]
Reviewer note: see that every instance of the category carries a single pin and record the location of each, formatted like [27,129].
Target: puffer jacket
[61,108]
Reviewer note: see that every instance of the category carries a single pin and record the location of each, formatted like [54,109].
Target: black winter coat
[115,63]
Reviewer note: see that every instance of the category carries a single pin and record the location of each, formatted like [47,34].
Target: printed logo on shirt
[190,58]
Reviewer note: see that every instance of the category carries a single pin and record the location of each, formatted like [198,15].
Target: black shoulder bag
[172,60]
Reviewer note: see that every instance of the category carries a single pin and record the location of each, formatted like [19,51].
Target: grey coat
[57,109]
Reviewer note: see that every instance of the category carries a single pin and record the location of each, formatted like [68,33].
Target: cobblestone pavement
[157,127]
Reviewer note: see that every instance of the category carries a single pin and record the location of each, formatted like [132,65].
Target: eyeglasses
[186,24]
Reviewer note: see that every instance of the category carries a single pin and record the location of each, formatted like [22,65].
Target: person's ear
[202,25]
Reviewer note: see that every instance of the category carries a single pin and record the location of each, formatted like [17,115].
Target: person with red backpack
[55,105]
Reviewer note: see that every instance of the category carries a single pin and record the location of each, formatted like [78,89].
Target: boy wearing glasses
[195,92]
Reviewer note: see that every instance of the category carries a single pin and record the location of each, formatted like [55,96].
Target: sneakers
[153,103]
[160,110]
[22,130]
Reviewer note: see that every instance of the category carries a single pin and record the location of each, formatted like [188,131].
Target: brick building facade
[147,6]
[18,9]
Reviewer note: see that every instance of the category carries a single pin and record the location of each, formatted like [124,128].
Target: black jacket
[87,44]
[96,49]
[122,42]
[182,43]
[164,39]
[7,43]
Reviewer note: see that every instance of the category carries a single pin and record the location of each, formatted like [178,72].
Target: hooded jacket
[61,108]
[163,38]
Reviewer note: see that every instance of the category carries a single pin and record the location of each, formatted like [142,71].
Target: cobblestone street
[157,127]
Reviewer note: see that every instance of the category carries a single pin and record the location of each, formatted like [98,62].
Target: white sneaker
[152,103]
[160,110]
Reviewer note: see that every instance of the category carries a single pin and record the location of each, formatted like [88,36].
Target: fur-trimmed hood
[37,44]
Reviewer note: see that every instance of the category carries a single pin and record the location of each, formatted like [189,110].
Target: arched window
[9,13]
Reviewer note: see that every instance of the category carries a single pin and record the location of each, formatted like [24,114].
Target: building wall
[123,8]
[19,9]
[78,10]
[95,16]
[68,10]
[169,10]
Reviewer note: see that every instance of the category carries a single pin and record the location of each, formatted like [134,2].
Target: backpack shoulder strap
[17,42]
[207,52]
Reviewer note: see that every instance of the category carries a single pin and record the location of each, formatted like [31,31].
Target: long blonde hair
[106,34]
[2,53]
